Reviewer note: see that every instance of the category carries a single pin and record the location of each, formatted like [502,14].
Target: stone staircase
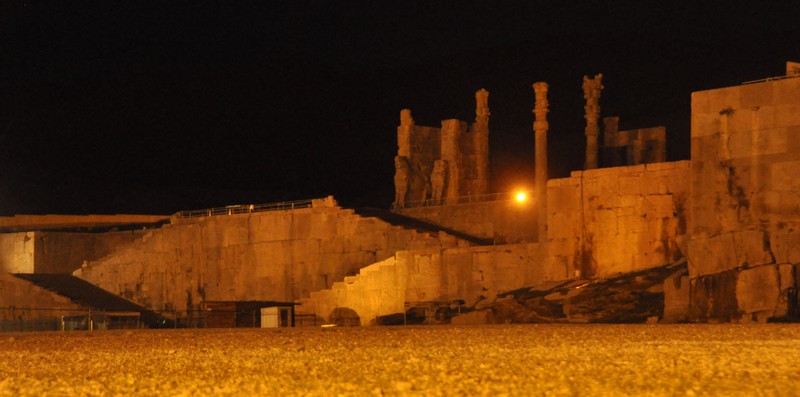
[418,225]
[91,296]
[376,290]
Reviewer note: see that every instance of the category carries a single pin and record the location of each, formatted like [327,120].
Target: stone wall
[435,275]
[16,252]
[23,296]
[58,252]
[745,202]
[615,220]
[278,255]
[503,221]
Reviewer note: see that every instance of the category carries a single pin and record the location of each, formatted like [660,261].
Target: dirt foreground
[433,360]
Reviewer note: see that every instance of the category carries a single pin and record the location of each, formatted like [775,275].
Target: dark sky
[164,106]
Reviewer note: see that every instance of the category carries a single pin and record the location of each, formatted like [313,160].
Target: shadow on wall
[344,316]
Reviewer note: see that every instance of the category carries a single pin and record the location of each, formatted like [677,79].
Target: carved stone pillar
[591,92]
[402,176]
[451,154]
[540,127]
[480,136]
[402,169]
[404,133]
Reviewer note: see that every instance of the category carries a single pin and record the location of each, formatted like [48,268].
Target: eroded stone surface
[757,290]
[462,153]
[676,297]
[540,127]
[591,92]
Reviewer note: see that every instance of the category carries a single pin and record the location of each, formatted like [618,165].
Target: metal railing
[18,319]
[788,76]
[458,200]
[245,209]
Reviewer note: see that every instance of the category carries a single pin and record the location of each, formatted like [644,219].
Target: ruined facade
[632,147]
[733,211]
[442,164]
[745,201]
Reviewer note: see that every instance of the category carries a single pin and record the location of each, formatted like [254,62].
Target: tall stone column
[402,168]
[540,127]
[591,92]
[404,131]
[480,136]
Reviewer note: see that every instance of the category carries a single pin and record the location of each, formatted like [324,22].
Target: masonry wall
[502,221]
[280,255]
[24,296]
[435,275]
[615,220]
[16,252]
[745,202]
[59,252]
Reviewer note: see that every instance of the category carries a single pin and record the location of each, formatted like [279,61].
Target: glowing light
[521,197]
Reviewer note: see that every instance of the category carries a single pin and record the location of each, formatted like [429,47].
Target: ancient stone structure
[591,92]
[632,147]
[540,127]
[733,212]
[24,298]
[462,153]
[273,255]
[792,68]
[402,175]
[438,180]
[745,201]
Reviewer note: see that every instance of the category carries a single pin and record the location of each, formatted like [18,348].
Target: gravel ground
[434,360]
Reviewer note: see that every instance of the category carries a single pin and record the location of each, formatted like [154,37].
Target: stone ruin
[442,164]
[632,147]
[714,238]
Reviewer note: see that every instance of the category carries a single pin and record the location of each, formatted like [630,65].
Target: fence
[245,209]
[789,76]
[16,319]
[457,200]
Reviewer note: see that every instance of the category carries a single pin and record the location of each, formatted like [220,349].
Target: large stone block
[758,289]
[676,297]
[630,184]
[659,206]
[787,91]
[788,302]
[786,246]
[759,94]
[752,248]
[712,255]
[713,297]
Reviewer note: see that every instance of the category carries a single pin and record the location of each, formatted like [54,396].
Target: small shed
[246,314]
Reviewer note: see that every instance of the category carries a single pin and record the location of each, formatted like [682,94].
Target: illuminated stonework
[444,163]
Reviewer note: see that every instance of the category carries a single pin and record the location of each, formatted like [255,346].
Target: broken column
[401,161]
[611,150]
[480,136]
[591,92]
[451,153]
[540,127]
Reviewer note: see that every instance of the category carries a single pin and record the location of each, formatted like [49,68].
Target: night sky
[166,106]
